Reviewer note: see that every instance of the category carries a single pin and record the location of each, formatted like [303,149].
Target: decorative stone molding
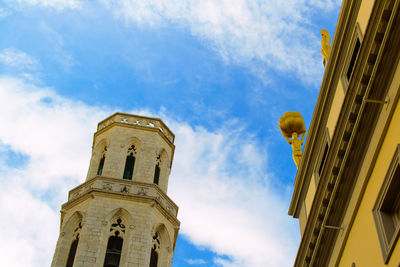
[107,186]
[141,191]
[125,187]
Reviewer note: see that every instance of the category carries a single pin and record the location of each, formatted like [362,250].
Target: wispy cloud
[218,180]
[34,120]
[259,34]
[226,200]
[59,52]
[58,5]
[12,57]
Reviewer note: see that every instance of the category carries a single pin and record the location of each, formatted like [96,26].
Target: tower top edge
[137,120]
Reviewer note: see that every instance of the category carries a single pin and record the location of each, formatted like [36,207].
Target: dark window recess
[321,165]
[153,258]
[129,165]
[72,252]
[386,210]
[113,254]
[154,254]
[353,59]
[101,165]
[390,209]
[156,174]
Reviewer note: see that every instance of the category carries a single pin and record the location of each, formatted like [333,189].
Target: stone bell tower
[121,215]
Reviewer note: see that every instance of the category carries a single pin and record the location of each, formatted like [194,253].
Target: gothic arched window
[114,245]
[101,163]
[74,246]
[154,251]
[157,170]
[130,163]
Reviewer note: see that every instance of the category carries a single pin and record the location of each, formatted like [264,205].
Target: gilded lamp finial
[325,46]
[292,127]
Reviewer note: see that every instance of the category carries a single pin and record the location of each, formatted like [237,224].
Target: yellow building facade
[347,187]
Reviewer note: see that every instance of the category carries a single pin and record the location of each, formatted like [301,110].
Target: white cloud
[58,5]
[257,33]
[55,134]
[218,180]
[15,58]
[225,198]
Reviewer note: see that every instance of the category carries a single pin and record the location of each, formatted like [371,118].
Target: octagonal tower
[121,215]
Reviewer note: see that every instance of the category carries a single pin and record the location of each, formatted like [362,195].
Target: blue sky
[220,73]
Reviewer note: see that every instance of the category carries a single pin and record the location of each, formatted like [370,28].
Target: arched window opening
[130,163]
[157,173]
[114,245]
[74,246]
[101,163]
[153,258]
[154,250]
[157,170]
[72,252]
[113,254]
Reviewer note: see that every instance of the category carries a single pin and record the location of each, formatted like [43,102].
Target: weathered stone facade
[135,211]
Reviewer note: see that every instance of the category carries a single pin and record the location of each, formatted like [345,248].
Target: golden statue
[292,127]
[325,46]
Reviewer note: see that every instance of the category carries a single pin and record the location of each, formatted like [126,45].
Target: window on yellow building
[321,164]
[387,208]
[351,56]
[322,154]
[353,59]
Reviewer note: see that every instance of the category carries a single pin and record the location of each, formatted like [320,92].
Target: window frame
[155,249]
[72,252]
[383,218]
[157,170]
[129,167]
[74,245]
[357,35]
[101,165]
[131,156]
[326,141]
[116,234]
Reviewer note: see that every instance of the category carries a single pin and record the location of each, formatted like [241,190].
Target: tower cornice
[121,188]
